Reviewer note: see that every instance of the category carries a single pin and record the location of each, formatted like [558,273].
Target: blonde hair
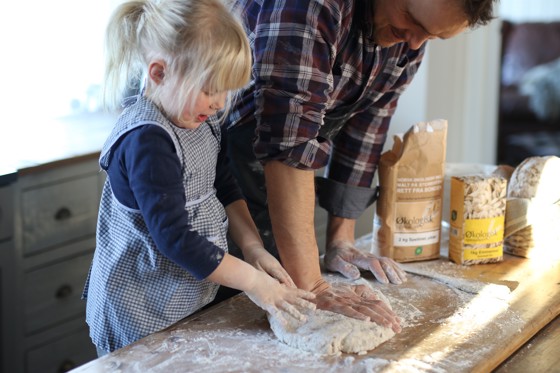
[202,43]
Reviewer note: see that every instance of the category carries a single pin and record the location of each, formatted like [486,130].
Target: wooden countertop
[444,328]
[539,354]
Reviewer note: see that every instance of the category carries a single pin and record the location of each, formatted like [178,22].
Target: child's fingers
[305,295]
[305,304]
[283,277]
[278,315]
[292,311]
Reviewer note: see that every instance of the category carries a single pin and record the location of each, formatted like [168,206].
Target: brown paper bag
[407,224]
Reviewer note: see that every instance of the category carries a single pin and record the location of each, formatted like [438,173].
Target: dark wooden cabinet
[44,261]
[7,290]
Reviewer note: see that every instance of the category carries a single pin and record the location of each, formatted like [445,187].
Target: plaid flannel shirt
[315,62]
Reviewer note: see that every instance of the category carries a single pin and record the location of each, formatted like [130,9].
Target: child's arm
[244,233]
[242,229]
[265,291]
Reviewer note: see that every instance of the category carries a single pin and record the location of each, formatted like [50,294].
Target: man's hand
[356,301]
[341,256]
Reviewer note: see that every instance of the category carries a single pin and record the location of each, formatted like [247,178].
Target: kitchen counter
[446,327]
[539,354]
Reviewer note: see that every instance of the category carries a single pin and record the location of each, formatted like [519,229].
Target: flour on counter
[467,285]
[331,333]
[236,336]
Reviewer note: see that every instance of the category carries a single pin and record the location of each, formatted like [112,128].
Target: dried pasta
[478,206]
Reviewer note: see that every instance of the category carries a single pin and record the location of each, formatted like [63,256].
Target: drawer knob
[64,292]
[67,365]
[63,214]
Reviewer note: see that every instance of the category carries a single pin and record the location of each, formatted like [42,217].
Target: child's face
[206,104]
[191,117]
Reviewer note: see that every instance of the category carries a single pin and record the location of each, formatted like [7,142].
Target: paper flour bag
[407,223]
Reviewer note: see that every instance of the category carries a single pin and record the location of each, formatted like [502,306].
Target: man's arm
[291,200]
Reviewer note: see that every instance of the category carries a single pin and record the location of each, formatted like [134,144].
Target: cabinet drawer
[61,355]
[53,294]
[59,213]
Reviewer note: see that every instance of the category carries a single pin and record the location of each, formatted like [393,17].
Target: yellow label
[489,252]
[483,231]
[457,203]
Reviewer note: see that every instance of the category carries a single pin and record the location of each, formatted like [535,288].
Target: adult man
[326,79]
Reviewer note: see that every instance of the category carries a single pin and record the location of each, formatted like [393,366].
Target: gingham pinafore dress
[132,290]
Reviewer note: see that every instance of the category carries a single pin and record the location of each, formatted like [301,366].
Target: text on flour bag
[407,223]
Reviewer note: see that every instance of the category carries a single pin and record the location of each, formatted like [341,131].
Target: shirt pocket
[393,71]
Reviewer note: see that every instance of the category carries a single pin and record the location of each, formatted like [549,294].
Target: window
[52,64]
[52,58]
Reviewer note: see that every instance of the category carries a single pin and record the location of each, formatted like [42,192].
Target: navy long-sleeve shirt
[138,183]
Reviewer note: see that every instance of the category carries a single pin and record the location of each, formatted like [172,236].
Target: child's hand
[279,299]
[262,260]
[265,291]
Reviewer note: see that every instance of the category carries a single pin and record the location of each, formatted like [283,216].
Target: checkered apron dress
[132,290]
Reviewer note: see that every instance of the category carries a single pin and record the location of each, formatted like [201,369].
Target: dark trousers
[249,174]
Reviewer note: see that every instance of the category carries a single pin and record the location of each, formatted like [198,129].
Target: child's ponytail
[123,61]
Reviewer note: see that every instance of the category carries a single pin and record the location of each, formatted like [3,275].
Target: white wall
[463,75]
[458,81]
[412,105]
[525,10]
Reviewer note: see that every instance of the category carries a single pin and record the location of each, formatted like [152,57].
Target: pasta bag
[478,207]
[407,223]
